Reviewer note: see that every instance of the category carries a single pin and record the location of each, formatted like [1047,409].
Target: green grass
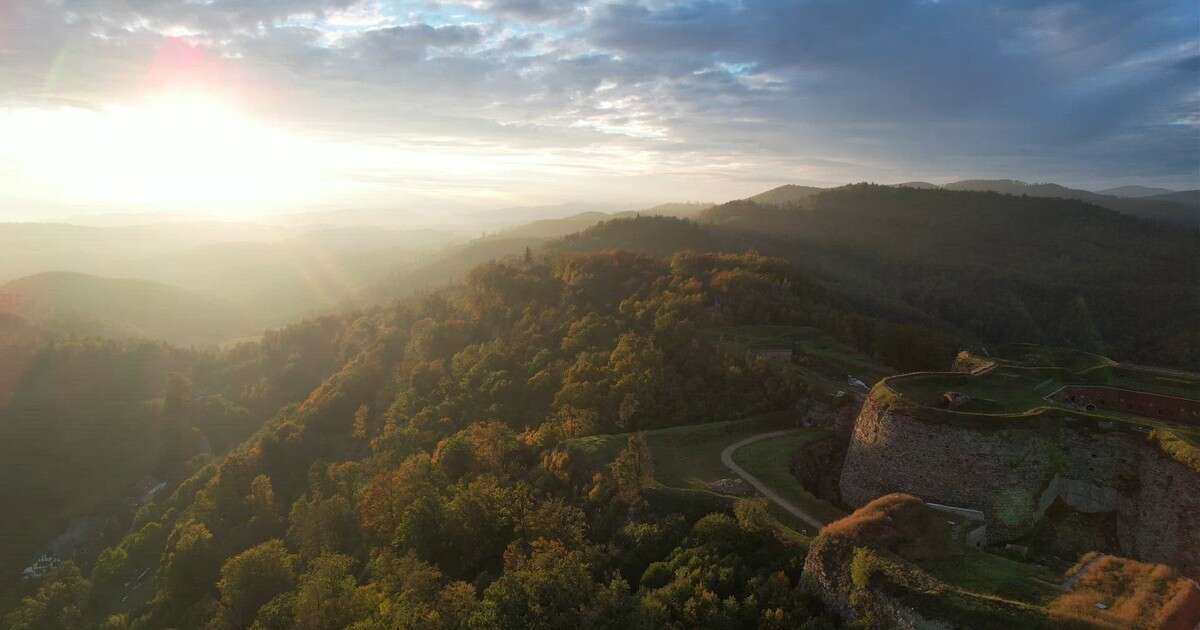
[690,457]
[1001,391]
[1035,355]
[941,599]
[686,459]
[1016,390]
[686,456]
[818,351]
[988,574]
[683,457]
[1165,382]
[597,450]
[770,461]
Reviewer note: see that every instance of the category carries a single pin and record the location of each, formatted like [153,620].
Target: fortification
[1019,446]
[894,563]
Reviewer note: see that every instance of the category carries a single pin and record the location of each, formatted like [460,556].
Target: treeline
[87,419]
[423,483]
[999,268]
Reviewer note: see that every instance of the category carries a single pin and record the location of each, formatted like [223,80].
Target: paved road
[727,459]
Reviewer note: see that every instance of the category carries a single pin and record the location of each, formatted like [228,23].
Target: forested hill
[1001,267]
[787,195]
[987,267]
[83,422]
[427,481]
[415,465]
[1171,208]
[1175,208]
[87,305]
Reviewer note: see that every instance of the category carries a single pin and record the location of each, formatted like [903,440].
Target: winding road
[727,459]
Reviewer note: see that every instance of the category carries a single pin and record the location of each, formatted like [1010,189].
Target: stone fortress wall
[1014,469]
[1170,408]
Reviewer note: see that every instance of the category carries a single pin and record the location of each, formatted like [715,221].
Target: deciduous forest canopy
[408,465]
[563,315]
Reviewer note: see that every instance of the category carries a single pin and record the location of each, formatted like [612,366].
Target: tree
[632,469]
[389,496]
[638,366]
[319,525]
[277,614]
[550,588]
[253,578]
[108,574]
[176,421]
[191,564]
[60,603]
[265,520]
[327,599]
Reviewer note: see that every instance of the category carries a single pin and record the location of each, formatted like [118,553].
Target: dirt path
[727,459]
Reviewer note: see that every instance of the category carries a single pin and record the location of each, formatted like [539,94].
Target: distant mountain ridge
[453,262]
[786,195]
[555,228]
[1158,204]
[86,305]
[1168,211]
[1179,208]
[928,249]
[1189,198]
[1135,191]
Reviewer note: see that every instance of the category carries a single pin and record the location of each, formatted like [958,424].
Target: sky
[247,107]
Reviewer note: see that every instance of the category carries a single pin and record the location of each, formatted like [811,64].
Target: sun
[172,151]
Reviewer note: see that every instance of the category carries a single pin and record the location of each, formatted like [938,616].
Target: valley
[646,389]
[599,315]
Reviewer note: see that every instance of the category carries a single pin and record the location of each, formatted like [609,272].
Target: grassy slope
[1019,385]
[686,459]
[818,351]
[770,460]
[1135,594]
[988,574]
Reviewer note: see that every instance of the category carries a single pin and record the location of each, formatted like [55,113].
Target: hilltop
[421,454]
[1060,450]
[420,441]
[1157,204]
[1189,198]
[1002,267]
[786,195]
[1167,208]
[83,304]
[1135,191]
[995,267]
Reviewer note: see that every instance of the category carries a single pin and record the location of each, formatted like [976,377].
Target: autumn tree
[253,578]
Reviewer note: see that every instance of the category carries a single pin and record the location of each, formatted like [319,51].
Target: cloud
[536,10]
[977,80]
[768,90]
[422,36]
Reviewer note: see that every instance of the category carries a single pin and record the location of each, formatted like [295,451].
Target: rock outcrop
[815,465]
[838,572]
[862,567]
[876,568]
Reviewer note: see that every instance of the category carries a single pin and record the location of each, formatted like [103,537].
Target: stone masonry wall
[1166,518]
[1013,475]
